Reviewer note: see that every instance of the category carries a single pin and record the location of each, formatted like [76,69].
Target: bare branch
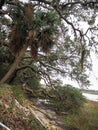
[54,68]
[1,124]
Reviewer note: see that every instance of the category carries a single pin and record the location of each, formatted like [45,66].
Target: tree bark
[15,64]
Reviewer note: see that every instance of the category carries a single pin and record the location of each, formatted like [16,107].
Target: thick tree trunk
[15,64]
[31,36]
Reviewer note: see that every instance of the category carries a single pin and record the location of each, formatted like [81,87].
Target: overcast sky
[94,74]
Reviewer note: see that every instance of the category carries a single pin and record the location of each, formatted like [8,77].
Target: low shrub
[66,99]
[86,119]
[18,92]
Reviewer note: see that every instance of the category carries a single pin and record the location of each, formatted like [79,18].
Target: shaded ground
[53,117]
[24,114]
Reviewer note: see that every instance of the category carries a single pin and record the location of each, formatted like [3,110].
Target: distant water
[91,97]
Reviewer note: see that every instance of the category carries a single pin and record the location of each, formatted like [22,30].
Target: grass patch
[35,123]
[18,93]
[4,89]
[13,116]
[87,119]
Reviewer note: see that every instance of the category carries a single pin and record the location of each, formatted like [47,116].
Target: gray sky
[94,74]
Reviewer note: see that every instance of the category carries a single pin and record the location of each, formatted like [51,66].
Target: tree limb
[4,126]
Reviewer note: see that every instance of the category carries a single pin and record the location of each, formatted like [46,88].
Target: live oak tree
[59,35]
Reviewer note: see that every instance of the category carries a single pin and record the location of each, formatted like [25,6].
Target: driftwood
[4,126]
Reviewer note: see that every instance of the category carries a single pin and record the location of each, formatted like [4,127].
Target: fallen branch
[1,124]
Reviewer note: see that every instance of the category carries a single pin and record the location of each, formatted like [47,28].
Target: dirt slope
[24,115]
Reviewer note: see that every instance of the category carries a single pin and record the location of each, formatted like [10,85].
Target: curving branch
[59,7]
[83,3]
[54,68]
[68,22]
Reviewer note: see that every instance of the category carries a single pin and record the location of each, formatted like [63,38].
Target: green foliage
[46,25]
[45,19]
[18,93]
[87,118]
[5,91]
[3,70]
[27,77]
[66,99]
[6,59]
[2,90]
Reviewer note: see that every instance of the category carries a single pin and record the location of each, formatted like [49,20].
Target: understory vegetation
[64,99]
[86,119]
[76,112]
[13,116]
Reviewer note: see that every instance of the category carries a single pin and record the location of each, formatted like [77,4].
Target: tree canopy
[48,37]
